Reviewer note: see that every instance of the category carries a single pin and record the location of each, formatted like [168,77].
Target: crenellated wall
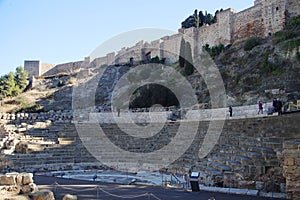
[263,19]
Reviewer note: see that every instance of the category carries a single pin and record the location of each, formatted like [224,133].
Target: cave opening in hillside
[149,95]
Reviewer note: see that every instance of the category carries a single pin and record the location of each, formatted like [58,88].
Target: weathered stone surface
[70,197]
[9,190]
[291,168]
[27,178]
[42,195]
[7,179]
[26,189]
[19,197]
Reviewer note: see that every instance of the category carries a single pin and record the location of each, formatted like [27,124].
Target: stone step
[208,170]
[219,166]
[273,145]
[235,165]
[244,160]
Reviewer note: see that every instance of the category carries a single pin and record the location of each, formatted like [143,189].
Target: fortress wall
[274,16]
[123,56]
[248,23]
[33,67]
[264,18]
[208,35]
[69,67]
[110,58]
[45,67]
[100,61]
[170,48]
[225,26]
[293,8]
[154,46]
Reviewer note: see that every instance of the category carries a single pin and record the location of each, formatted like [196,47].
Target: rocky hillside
[251,70]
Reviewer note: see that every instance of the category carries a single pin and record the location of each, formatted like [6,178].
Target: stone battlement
[263,19]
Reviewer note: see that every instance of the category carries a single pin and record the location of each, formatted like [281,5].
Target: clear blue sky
[58,31]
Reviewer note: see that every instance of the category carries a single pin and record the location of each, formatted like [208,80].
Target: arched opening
[152,94]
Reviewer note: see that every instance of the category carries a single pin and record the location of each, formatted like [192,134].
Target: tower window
[277,8]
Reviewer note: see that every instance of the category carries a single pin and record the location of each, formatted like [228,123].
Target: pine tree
[202,18]
[188,66]
[10,87]
[182,53]
[197,19]
[2,92]
[21,77]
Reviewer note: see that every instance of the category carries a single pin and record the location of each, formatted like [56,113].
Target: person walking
[260,108]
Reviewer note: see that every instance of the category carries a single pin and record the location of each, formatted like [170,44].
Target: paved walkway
[89,190]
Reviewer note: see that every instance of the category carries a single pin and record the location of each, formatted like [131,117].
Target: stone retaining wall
[291,168]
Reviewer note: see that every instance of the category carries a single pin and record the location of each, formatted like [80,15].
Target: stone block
[7,179]
[26,189]
[42,195]
[9,190]
[291,169]
[70,197]
[19,197]
[289,161]
[27,178]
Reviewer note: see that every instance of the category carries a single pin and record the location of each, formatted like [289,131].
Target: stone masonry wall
[291,168]
[263,19]
[32,67]
[293,7]
[248,23]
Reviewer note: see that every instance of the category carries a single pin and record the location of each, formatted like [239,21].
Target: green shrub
[215,50]
[269,67]
[293,23]
[290,31]
[292,44]
[284,35]
[251,43]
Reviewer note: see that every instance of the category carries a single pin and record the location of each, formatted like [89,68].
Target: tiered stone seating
[53,148]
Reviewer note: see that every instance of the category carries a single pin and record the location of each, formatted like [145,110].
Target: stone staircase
[247,150]
[57,147]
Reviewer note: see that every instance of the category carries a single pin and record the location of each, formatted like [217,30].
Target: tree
[182,53]
[2,91]
[21,77]
[197,19]
[10,87]
[13,84]
[202,18]
[209,19]
[188,65]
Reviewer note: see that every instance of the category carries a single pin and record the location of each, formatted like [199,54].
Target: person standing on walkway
[260,107]
[230,111]
[279,107]
[275,105]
